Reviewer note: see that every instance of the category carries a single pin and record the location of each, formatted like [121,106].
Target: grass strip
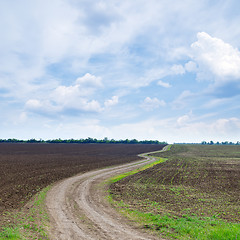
[27,224]
[186,227]
[123,175]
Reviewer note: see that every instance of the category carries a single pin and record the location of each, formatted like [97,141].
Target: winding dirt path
[78,208]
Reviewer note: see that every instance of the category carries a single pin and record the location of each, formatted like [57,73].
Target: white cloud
[51,108]
[164,84]
[89,80]
[63,93]
[89,106]
[177,69]
[75,97]
[111,102]
[83,87]
[152,103]
[216,57]
[191,66]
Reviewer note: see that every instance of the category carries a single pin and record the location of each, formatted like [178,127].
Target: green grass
[27,224]
[10,233]
[123,175]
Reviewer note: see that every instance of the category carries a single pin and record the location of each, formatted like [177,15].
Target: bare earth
[78,208]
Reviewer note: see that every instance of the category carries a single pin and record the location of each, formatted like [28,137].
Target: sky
[164,70]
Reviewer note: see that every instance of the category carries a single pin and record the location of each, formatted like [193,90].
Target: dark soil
[196,180]
[27,168]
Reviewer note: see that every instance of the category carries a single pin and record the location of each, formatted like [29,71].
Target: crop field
[194,194]
[25,169]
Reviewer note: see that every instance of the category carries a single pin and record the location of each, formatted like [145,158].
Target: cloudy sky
[157,69]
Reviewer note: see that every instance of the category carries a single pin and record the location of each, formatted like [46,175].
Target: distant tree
[32,140]
[133,141]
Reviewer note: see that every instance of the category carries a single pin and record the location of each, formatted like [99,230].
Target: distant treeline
[220,143]
[87,140]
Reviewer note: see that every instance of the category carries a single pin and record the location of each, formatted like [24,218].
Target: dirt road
[78,208]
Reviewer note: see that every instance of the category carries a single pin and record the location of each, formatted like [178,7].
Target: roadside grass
[193,195]
[29,223]
[185,227]
[175,227]
[121,176]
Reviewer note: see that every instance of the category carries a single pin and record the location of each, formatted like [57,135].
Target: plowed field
[196,181]
[27,168]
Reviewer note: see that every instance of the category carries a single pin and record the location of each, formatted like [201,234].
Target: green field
[195,194]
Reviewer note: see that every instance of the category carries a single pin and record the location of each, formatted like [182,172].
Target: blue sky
[156,69]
